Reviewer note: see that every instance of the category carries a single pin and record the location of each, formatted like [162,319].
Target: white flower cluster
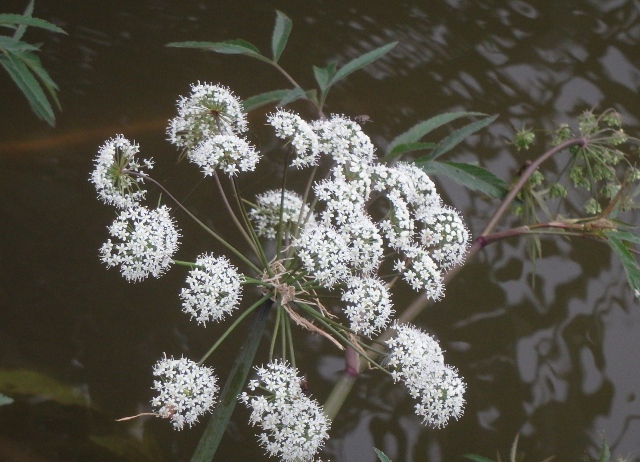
[343,140]
[267,215]
[208,126]
[295,427]
[147,241]
[290,126]
[111,177]
[417,361]
[431,235]
[230,153]
[214,289]
[209,110]
[369,306]
[185,389]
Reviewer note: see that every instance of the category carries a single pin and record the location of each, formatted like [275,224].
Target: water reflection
[554,361]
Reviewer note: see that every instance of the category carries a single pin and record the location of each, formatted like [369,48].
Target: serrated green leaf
[33,62]
[477,458]
[18,19]
[381,455]
[16,46]
[411,147]
[291,96]
[263,99]
[626,236]
[5,400]
[361,62]
[322,76]
[228,47]
[28,12]
[459,136]
[281,33]
[471,176]
[29,86]
[628,262]
[419,130]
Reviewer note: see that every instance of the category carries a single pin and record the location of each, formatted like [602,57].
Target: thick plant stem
[343,386]
[235,382]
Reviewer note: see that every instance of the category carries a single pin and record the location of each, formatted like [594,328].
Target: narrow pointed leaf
[409,147]
[16,46]
[19,19]
[281,33]
[254,102]
[361,62]
[628,262]
[471,176]
[381,455]
[28,12]
[323,76]
[291,96]
[228,47]
[459,136]
[419,130]
[626,236]
[29,86]
[34,64]
[236,380]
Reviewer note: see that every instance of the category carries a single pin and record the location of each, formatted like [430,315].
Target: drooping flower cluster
[112,176]
[214,289]
[290,126]
[272,207]
[185,390]
[146,242]
[294,425]
[417,361]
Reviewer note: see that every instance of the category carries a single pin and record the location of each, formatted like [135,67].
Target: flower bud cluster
[417,361]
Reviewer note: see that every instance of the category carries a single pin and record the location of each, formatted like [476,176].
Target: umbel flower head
[369,307]
[229,153]
[295,427]
[147,241]
[214,289]
[209,110]
[417,360]
[112,178]
[266,216]
[185,390]
[291,127]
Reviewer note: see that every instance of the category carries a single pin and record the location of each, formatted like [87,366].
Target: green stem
[200,223]
[251,243]
[233,326]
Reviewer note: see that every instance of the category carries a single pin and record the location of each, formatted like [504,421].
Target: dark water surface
[558,363]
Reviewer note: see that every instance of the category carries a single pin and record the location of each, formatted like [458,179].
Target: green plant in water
[24,67]
[318,257]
